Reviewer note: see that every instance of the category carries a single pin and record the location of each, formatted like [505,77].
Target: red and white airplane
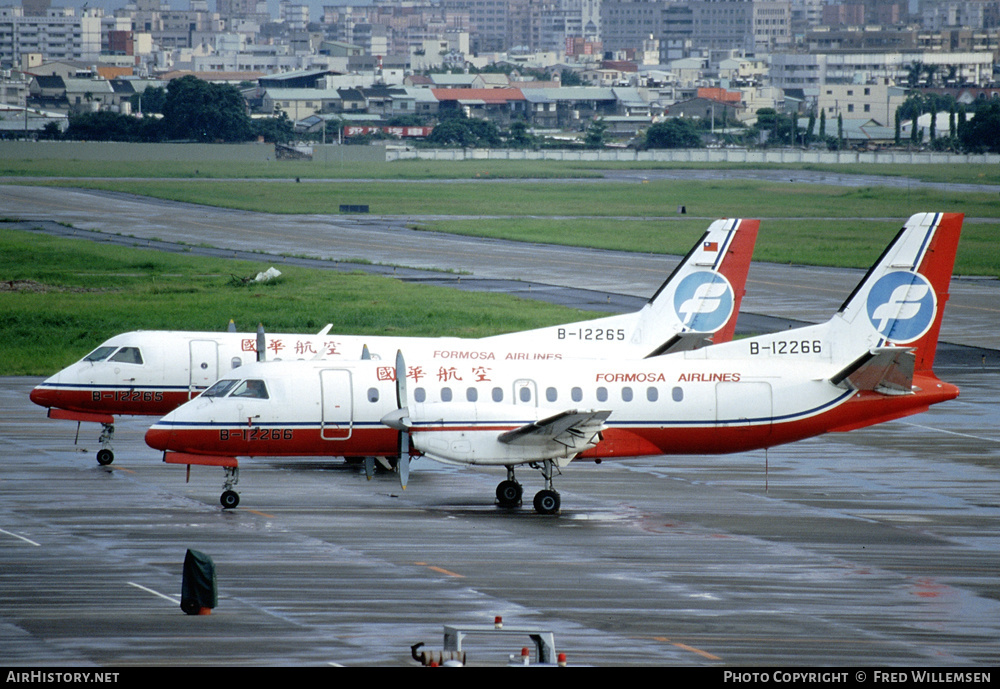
[152,372]
[870,363]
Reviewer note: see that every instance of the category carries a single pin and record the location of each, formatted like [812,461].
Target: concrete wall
[240,153]
[698,155]
[332,154]
[103,150]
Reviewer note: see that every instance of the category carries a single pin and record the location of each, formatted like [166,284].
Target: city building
[59,34]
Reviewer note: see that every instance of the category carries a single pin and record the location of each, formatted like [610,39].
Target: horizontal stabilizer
[571,429]
[888,370]
[682,342]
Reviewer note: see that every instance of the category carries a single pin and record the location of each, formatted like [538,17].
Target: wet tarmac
[877,547]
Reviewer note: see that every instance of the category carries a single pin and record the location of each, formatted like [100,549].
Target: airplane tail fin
[900,302]
[704,292]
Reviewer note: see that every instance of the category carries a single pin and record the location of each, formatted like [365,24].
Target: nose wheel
[106,455]
[230,498]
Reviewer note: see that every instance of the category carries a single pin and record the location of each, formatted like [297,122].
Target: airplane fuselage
[171,367]
[669,405]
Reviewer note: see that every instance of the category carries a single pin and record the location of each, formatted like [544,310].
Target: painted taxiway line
[164,596]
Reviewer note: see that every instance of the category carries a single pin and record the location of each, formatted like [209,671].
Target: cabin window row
[257,389]
[525,394]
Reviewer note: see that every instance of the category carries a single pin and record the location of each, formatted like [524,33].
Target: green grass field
[60,298]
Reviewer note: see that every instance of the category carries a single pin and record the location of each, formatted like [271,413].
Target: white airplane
[152,372]
[870,363]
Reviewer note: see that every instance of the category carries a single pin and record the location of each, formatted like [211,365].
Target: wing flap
[574,430]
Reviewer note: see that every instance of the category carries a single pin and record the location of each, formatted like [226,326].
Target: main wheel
[547,502]
[105,457]
[509,493]
[230,499]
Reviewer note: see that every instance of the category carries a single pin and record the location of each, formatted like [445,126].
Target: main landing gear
[509,492]
[106,455]
[546,501]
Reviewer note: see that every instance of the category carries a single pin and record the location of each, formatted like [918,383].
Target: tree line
[975,133]
[191,109]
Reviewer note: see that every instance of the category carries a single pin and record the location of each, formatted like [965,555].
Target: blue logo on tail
[704,301]
[901,306]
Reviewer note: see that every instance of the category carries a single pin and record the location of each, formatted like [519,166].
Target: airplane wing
[888,370]
[572,429]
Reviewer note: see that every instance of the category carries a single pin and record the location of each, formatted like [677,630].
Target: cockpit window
[251,388]
[127,355]
[220,388]
[99,354]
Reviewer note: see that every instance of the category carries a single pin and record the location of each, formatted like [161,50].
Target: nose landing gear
[106,455]
[230,498]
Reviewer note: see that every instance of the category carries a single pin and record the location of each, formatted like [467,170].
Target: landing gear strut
[230,498]
[547,500]
[105,455]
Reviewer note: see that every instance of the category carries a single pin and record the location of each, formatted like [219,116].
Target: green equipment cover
[198,589]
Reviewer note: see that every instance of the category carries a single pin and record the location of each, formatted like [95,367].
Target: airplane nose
[44,397]
[159,438]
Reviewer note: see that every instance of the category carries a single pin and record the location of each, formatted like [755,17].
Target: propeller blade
[404,459]
[400,380]
[365,354]
[369,467]
[400,419]
[261,345]
[232,326]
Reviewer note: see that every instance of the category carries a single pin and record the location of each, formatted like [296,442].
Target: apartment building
[684,28]
[877,102]
[171,28]
[59,34]
[812,70]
